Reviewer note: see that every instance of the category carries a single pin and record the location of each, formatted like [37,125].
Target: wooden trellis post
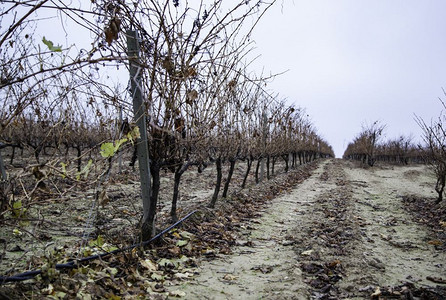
[139,116]
[264,134]
[120,133]
[2,167]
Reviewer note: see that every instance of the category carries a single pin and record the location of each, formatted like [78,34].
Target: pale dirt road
[339,234]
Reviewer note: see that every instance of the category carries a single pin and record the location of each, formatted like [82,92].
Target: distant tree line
[368,147]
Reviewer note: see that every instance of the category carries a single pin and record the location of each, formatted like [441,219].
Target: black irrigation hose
[75,263]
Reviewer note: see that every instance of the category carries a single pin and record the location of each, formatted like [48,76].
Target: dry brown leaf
[229,277]
[334,263]
[436,279]
[112,30]
[376,293]
[435,243]
[149,265]
[175,251]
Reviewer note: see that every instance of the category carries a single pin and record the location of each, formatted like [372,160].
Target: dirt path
[342,233]
[264,265]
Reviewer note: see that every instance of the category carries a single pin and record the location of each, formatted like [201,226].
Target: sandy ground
[394,247]
[264,263]
[342,233]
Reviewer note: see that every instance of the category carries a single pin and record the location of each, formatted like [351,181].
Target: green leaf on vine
[51,46]
[119,143]
[133,134]
[109,149]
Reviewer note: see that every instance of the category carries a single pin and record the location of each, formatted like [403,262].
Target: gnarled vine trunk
[248,169]
[228,180]
[218,164]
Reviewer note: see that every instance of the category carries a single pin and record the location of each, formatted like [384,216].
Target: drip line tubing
[75,263]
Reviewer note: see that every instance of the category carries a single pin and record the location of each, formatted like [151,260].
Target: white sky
[352,62]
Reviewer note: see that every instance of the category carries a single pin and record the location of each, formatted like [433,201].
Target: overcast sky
[353,62]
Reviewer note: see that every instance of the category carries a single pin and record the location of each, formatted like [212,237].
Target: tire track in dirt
[263,265]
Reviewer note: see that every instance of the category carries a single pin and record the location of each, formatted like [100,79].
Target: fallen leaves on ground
[426,211]
[409,291]
[142,273]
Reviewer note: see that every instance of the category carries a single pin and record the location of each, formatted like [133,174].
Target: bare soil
[345,232]
[330,229]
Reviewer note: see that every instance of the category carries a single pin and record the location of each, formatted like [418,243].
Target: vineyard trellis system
[191,101]
[199,104]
